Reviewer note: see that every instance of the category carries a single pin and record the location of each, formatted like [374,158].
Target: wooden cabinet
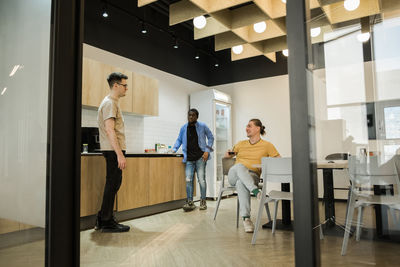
[141,97]
[134,191]
[94,82]
[145,95]
[145,181]
[93,179]
[150,181]
[161,180]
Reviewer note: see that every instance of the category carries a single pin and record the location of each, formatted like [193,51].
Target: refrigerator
[215,110]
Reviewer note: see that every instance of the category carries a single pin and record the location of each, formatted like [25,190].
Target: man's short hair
[195,111]
[115,77]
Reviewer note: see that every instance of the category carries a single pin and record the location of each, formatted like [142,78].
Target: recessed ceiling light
[197,56]
[216,65]
[200,22]
[176,45]
[351,5]
[285,52]
[363,37]
[315,31]
[237,49]
[260,27]
[144,31]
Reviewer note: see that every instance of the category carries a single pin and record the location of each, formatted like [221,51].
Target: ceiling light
[351,5]
[285,52]
[200,22]
[14,70]
[237,49]
[216,64]
[176,45]
[259,27]
[363,37]
[197,56]
[105,13]
[284,1]
[315,31]
[4,90]
[144,31]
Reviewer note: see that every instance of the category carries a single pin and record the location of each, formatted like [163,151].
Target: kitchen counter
[161,174]
[140,155]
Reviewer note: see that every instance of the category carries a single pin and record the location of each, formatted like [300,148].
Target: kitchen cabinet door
[145,95]
[134,191]
[93,179]
[94,82]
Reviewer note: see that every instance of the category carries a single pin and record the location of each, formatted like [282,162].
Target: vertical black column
[64,122]
[304,171]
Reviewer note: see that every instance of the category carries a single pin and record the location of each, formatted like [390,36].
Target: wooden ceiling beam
[336,12]
[247,15]
[141,3]
[271,56]
[276,8]
[227,40]
[248,51]
[273,45]
[182,11]
[212,27]
[216,5]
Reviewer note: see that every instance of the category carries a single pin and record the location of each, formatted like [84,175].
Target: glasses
[124,85]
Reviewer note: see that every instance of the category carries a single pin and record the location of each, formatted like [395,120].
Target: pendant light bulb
[363,37]
[260,27]
[315,31]
[237,49]
[200,22]
[351,5]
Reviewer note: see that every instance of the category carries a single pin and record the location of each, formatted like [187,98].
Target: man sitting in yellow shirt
[243,175]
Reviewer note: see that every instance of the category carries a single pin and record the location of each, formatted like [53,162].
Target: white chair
[278,170]
[367,172]
[227,163]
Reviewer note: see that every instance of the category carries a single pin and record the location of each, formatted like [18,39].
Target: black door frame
[62,240]
[305,201]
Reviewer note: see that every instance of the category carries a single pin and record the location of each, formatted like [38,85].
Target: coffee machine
[90,136]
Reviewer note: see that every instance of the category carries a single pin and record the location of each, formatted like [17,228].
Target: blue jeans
[198,166]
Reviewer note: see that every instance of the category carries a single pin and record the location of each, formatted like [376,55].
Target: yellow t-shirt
[248,154]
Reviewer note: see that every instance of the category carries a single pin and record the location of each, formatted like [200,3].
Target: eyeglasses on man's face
[124,85]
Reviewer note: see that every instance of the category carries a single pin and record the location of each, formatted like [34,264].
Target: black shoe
[98,224]
[189,206]
[110,226]
[114,227]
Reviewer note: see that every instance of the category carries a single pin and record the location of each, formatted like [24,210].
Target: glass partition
[24,75]
[357,128]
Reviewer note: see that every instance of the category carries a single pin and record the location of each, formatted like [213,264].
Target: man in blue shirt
[196,151]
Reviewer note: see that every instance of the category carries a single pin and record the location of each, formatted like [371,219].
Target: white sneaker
[248,225]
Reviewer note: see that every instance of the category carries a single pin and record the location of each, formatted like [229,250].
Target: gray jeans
[245,182]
